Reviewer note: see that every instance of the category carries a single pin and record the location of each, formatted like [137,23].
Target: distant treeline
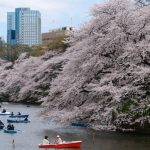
[11,53]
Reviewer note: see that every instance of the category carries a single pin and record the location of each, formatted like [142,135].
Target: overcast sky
[55,13]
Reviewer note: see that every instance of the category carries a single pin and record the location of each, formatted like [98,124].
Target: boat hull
[80,125]
[17,121]
[1,127]
[10,131]
[6,113]
[75,144]
[19,116]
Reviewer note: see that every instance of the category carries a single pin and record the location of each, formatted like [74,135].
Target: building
[1,43]
[11,28]
[27,26]
[49,37]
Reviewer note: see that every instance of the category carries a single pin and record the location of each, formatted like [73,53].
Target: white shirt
[59,141]
[45,142]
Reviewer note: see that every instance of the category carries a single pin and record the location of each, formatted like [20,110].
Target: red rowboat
[73,144]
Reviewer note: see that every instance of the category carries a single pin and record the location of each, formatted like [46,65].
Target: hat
[58,136]
[46,137]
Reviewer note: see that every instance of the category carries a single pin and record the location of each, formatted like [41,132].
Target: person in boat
[1,122]
[26,119]
[45,141]
[12,114]
[59,140]
[10,127]
[19,113]
[4,110]
[1,125]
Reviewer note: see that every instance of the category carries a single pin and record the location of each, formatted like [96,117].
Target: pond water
[31,134]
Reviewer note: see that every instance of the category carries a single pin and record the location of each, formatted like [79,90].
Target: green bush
[126,106]
[58,43]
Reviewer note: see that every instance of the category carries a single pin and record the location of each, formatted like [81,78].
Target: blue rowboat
[5,113]
[10,131]
[19,116]
[17,120]
[1,127]
[79,124]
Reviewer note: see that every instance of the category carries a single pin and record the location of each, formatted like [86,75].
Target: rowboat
[79,124]
[72,144]
[5,113]
[17,120]
[10,131]
[19,116]
[1,127]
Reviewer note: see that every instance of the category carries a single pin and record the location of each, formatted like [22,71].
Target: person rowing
[19,113]
[10,127]
[4,110]
[45,141]
[1,125]
[26,119]
[59,140]
[12,114]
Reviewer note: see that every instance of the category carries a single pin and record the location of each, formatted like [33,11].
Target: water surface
[31,134]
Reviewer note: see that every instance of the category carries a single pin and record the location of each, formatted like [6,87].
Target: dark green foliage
[131,109]
[140,113]
[126,106]
[114,115]
[11,53]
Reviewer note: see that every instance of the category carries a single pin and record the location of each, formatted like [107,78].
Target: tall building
[27,26]
[11,28]
[1,43]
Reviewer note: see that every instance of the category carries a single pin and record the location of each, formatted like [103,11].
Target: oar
[93,139]
[16,129]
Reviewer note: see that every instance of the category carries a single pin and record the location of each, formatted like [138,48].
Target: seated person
[12,127]
[19,113]
[4,110]
[1,125]
[12,113]
[9,127]
[26,119]
[45,141]
[59,140]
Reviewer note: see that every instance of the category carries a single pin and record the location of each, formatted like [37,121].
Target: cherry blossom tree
[102,79]
[106,78]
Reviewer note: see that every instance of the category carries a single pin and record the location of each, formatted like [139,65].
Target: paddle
[93,139]
[19,130]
